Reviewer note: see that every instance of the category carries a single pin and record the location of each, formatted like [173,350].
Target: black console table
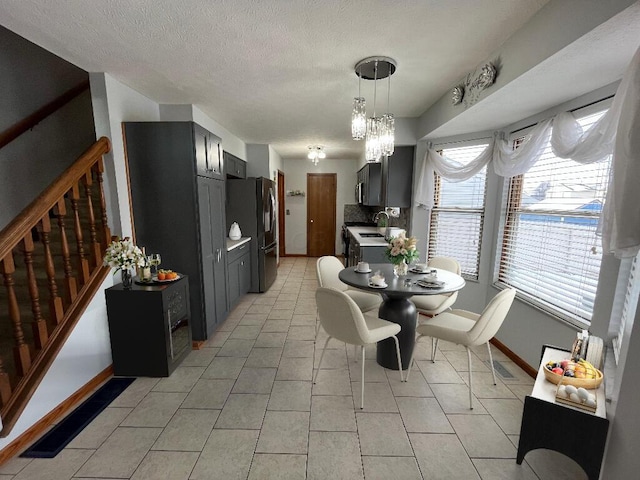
[578,434]
[149,327]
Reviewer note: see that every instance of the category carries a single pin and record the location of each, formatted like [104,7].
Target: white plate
[415,270]
[427,284]
[167,280]
[362,271]
[372,285]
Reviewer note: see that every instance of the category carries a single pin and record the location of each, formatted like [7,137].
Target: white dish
[430,283]
[373,285]
[362,271]
[417,270]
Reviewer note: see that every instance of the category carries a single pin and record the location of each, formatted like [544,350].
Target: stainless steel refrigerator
[251,202]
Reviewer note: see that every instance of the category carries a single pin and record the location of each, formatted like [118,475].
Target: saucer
[415,270]
[373,285]
[362,271]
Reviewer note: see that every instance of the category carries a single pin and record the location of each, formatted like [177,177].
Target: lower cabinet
[149,328]
[239,270]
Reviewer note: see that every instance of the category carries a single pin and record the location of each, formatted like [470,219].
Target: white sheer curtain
[617,132]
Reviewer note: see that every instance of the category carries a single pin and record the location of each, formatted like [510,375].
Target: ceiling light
[379,132]
[316,152]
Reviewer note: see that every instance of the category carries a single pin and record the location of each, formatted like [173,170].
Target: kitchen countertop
[231,244]
[367,242]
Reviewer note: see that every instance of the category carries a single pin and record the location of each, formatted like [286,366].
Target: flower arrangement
[402,249]
[123,255]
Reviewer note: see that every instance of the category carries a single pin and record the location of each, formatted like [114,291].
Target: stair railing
[51,267]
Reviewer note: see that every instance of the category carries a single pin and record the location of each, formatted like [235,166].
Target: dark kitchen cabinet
[208,152]
[369,184]
[149,328]
[397,178]
[239,268]
[234,166]
[178,206]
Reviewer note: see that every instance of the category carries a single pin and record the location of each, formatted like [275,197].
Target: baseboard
[295,255]
[532,372]
[38,428]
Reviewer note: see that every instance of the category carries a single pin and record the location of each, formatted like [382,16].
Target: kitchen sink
[371,235]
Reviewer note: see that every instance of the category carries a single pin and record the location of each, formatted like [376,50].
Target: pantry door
[321,214]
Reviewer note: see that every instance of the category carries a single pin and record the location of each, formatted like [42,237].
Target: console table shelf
[575,433]
[149,327]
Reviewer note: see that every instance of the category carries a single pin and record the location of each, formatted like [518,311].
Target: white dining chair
[432,305]
[468,329]
[343,320]
[327,270]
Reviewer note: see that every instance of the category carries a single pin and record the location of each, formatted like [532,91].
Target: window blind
[457,216]
[632,293]
[550,250]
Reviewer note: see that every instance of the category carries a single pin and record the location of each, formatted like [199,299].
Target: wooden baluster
[56,309]
[106,232]
[83,264]
[40,333]
[96,249]
[60,210]
[5,385]
[21,349]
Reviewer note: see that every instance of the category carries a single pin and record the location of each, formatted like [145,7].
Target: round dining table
[396,305]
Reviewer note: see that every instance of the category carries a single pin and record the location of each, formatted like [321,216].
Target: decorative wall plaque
[476,82]
[457,94]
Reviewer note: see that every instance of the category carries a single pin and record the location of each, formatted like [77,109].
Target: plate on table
[417,270]
[430,283]
[373,285]
[166,280]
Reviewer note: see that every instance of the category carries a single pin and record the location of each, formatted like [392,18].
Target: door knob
[311,221]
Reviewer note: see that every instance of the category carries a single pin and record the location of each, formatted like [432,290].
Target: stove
[345,237]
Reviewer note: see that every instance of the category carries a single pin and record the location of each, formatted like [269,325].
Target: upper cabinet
[397,178]
[234,167]
[368,184]
[388,183]
[208,152]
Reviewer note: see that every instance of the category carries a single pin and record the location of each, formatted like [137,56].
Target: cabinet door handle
[170,337]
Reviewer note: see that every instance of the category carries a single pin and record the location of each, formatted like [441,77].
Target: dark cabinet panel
[239,278]
[397,178]
[234,166]
[178,213]
[369,178]
[149,328]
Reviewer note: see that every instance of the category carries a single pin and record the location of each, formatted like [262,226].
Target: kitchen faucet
[375,219]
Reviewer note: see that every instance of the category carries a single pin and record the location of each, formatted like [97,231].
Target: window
[550,250]
[630,302]
[457,216]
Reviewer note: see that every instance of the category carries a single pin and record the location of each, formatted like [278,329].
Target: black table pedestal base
[403,312]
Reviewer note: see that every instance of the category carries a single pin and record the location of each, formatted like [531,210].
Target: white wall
[296,179]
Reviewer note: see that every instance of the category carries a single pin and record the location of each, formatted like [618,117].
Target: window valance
[617,133]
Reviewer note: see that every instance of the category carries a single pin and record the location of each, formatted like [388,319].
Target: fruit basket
[593,382]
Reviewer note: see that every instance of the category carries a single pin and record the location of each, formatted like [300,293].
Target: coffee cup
[363,267]
[377,280]
[421,267]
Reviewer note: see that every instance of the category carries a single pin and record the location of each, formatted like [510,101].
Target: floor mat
[59,436]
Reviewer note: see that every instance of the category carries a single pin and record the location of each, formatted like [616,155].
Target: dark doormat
[59,436]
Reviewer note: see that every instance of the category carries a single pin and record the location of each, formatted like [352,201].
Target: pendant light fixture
[316,153]
[379,132]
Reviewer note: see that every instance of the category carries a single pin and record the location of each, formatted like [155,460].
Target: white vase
[234,231]
[400,269]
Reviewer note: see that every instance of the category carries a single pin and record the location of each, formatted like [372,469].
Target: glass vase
[127,279]
[400,269]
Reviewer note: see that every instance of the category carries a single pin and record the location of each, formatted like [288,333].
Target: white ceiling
[280,71]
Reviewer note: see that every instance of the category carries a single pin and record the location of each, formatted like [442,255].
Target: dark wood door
[321,214]
[281,241]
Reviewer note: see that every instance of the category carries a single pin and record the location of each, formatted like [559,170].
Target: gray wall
[31,77]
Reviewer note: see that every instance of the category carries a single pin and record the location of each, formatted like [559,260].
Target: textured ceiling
[279,71]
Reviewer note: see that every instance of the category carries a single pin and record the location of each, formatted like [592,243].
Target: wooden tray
[588,383]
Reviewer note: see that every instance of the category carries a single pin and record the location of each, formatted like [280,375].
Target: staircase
[50,269]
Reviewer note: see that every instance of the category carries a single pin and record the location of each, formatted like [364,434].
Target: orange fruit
[162,276]
[172,275]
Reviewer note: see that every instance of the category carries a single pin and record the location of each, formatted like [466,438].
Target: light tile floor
[244,407]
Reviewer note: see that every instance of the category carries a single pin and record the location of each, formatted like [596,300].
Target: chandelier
[316,153]
[378,132]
